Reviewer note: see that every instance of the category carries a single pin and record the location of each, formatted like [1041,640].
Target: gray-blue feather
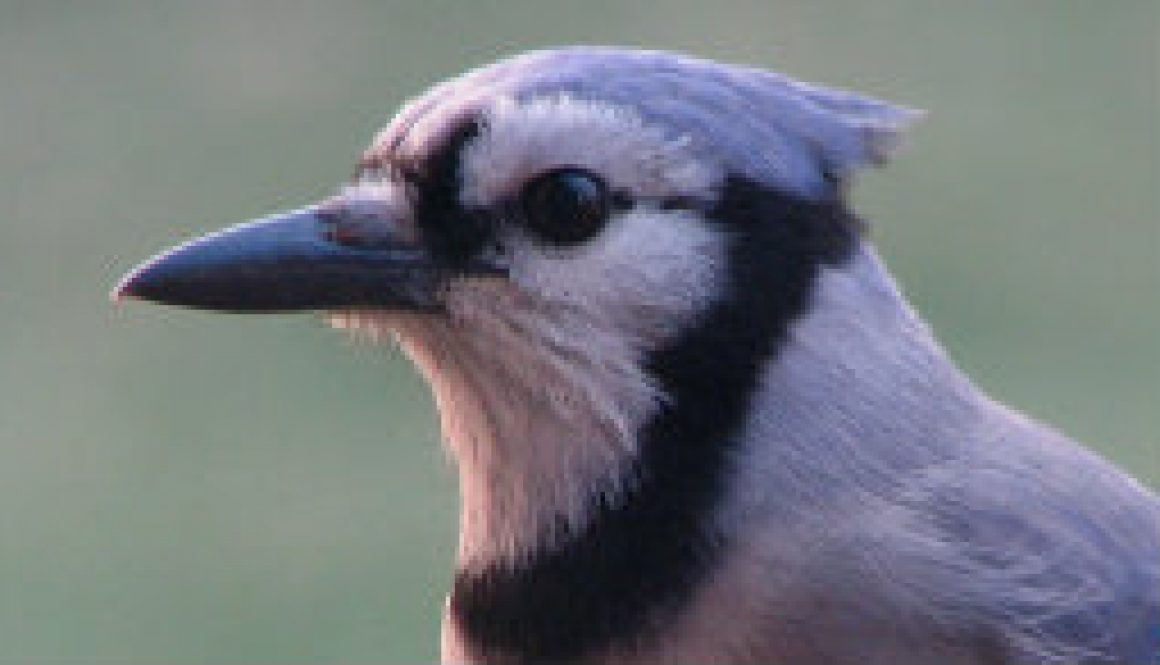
[799,137]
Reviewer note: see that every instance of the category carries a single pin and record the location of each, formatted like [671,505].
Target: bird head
[590,235]
[580,180]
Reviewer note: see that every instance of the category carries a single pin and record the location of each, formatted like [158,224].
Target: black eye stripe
[623,201]
[454,235]
[671,203]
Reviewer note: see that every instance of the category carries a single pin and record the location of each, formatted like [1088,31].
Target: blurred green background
[178,487]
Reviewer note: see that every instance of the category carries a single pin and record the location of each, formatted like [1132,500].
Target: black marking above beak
[288,262]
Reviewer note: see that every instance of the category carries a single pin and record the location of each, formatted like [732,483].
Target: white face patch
[644,276]
[520,141]
[540,377]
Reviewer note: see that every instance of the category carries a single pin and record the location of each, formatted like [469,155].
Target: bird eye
[566,205]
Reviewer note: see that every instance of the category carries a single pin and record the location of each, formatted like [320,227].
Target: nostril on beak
[358,223]
[360,231]
[336,228]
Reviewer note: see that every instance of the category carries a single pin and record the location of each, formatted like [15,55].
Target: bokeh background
[178,487]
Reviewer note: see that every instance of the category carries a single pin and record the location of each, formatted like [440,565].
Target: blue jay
[693,418]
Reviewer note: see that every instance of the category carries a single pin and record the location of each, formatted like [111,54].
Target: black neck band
[638,561]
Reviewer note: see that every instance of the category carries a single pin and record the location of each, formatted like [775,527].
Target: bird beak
[299,260]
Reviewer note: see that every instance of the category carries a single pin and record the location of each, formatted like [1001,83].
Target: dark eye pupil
[567,205]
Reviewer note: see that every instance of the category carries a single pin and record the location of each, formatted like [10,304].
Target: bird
[692,415]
